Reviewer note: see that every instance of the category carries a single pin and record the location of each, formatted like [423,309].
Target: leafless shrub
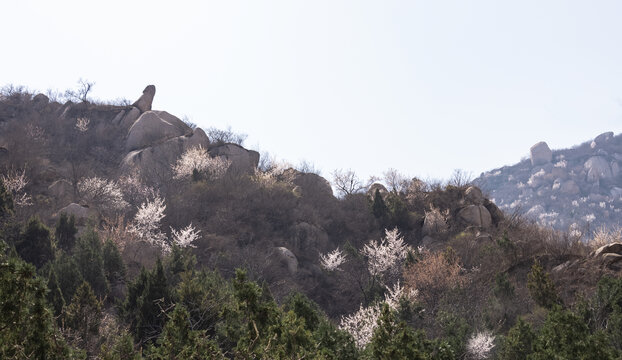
[225,136]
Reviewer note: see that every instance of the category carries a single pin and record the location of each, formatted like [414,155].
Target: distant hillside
[570,189]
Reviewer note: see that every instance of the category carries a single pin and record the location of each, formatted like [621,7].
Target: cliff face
[569,189]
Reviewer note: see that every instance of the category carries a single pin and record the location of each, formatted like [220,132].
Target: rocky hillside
[173,237]
[577,189]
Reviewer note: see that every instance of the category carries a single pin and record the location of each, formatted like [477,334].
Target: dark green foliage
[84,314]
[565,336]
[178,261]
[146,304]
[503,287]
[397,211]
[304,309]
[394,339]
[541,287]
[121,349]
[90,260]
[204,294]
[335,344]
[6,201]
[518,343]
[26,324]
[35,243]
[178,341]
[68,275]
[66,232]
[55,295]
[114,268]
[379,208]
[455,330]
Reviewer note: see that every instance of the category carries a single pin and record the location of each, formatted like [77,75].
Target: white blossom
[332,260]
[361,324]
[480,345]
[82,124]
[186,236]
[396,293]
[15,182]
[146,224]
[385,255]
[135,190]
[198,159]
[105,194]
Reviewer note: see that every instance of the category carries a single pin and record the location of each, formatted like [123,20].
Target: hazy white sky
[425,87]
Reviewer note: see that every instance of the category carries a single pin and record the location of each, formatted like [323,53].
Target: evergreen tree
[90,260]
[379,208]
[26,324]
[541,287]
[147,302]
[394,341]
[6,202]
[66,232]
[55,295]
[84,314]
[178,341]
[114,268]
[35,243]
[518,343]
[68,275]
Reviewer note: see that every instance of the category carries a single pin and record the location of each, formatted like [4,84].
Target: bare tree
[347,182]
[460,178]
[84,88]
[395,180]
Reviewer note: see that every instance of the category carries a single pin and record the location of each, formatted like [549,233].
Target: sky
[424,87]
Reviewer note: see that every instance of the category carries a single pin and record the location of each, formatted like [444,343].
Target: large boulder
[309,184]
[155,162]
[154,127]
[473,195]
[540,154]
[79,212]
[597,168]
[382,190]
[288,257]
[146,99]
[242,160]
[475,215]
[602,139]
[495,213]
[612,248]
[126,118]
[569,187]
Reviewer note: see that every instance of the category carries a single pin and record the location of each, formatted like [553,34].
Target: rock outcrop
[242,160]
[475,215]
[146,99]
[540,154]
[154,127]
[154,162]
[288,257]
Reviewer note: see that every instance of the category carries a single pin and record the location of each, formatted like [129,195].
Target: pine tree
[84,314]
[35,243]
[55,295]
[114,267]
[6,201]
[541,287]
[90,260]
[66,232]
